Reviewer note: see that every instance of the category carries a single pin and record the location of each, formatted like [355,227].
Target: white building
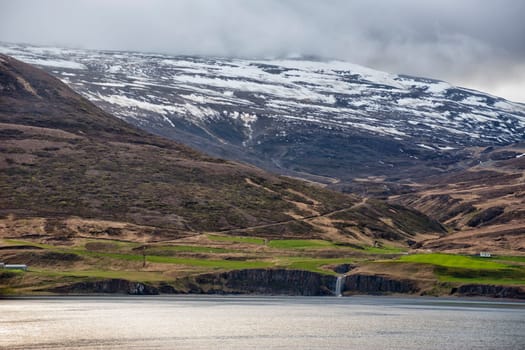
[13,266]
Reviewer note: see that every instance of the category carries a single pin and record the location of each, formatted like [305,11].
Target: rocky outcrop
[262,281]
[376,284]
[343,268]
[110,286]
[294,282]
[493,291]
[485,216]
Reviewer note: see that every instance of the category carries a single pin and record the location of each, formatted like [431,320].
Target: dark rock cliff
[280,282]
[261,281]
[373,284]
[490,291]
[111,286]
[296,282]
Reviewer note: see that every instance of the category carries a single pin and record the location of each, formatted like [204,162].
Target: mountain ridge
[324,121]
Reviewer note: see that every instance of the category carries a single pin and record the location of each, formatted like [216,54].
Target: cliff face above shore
[283,282]
[261,281]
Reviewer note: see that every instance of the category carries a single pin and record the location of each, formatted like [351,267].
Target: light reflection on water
[207,322]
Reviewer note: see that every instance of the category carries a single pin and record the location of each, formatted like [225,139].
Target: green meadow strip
[140,276]
[383,250]
[300,244]
[449,260]
[236,239]
[187,248]
[16,242]
[217,264]
[311,264]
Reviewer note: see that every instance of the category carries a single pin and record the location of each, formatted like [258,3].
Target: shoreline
[273,282]
[204,297]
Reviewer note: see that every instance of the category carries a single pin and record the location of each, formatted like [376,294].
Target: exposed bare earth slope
[483,206]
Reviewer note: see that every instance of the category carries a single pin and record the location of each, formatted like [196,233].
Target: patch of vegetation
[519,259]
[237,239]
[117,259]
[105,244]
[209,263]
[213,264]
[384,250]
[454,261]
[301,244]
[119,256]
[6,281]
[167,250]
[508,276]
[16,242]
[311,264]
[468,269]
[139,276]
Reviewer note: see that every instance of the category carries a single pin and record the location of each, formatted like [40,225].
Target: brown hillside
[483,205]
[68,168]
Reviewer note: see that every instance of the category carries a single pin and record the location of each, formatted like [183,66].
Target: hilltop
[327,121]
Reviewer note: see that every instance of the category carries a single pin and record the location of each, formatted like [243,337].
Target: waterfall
[339,286]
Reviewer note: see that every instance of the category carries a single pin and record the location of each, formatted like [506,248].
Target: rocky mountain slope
[326,121]
[75,169]
[483,205]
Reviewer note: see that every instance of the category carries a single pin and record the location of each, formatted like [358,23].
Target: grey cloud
[477,43]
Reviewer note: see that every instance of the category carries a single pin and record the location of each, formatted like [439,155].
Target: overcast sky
[474,43]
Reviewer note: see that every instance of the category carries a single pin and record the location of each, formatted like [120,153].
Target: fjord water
[204,322]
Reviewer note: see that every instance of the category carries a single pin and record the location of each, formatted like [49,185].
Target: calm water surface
[189,322]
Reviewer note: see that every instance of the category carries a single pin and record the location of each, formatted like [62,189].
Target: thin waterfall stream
[339,286]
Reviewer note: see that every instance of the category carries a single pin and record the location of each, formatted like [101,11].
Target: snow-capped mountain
[330,119]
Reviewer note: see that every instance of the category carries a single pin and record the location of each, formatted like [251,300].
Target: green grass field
[311,264]
[236,239]
[469,269]
[300,244]
[17,242]
[458,261]
[139,276]
[384,250]
[494,279]
[509,258]
[162,250]
[117,259]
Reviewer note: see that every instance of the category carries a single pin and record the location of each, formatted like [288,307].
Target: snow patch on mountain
[55,63]
[132,104]
[152,89]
